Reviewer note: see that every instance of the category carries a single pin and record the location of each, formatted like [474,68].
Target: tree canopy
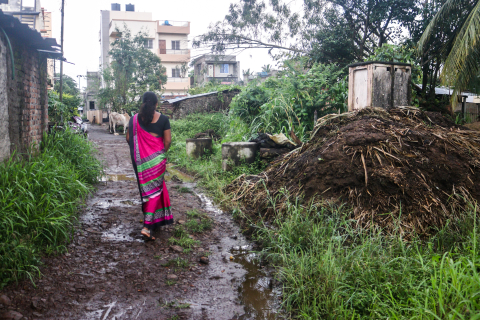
[70,86]
[134,70]
[460,21]
[329,31]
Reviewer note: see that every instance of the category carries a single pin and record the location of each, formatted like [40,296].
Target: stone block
[237,152]
[196,148]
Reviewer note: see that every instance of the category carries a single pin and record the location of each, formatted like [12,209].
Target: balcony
[178,79]
[167,55]
[177,84]
[225,80]
[173,27]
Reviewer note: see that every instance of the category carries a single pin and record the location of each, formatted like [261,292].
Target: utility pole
[79,79]
[61,61]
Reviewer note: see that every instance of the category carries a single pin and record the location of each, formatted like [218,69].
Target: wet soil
[109,272]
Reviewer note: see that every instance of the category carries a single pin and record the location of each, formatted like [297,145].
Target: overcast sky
[82,26]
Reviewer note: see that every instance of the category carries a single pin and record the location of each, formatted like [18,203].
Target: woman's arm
[167,139]
[127,136]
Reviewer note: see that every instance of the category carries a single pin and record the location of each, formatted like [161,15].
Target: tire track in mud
[109,273]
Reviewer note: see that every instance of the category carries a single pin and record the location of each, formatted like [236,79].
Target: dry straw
[399,168]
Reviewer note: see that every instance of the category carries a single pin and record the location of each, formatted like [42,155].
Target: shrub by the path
[39,200]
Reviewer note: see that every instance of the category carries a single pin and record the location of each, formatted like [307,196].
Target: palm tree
[267,68]
[461,64]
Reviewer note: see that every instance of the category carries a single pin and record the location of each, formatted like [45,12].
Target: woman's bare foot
[146,234]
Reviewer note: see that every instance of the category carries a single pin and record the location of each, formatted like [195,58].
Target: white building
[31,13]
[168,39]
[219,68]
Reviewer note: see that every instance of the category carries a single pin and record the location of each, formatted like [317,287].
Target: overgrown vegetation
[212,86]
[231,128]
[331,270]
[40,197]
[60,112]
[289,102]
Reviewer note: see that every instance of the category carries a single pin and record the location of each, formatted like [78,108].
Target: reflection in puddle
[172,172]
[105,204]
[256,292]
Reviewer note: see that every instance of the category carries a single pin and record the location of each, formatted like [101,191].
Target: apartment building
[31,13]
[166,38]
[224,69]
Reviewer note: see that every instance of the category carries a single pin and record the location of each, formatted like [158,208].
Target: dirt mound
[398,163]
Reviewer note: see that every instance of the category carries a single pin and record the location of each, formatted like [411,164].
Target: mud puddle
[172,172]
[240,283]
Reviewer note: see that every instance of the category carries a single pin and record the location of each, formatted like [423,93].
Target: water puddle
[172,172]
[117,177]
[118,233]
[234,262]
[257,292]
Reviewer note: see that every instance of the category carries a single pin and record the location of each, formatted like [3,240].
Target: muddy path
[108,272]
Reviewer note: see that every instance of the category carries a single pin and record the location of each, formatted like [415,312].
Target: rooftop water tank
[115,6]
[130,7]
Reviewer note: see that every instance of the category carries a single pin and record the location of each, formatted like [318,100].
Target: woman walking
[149,138]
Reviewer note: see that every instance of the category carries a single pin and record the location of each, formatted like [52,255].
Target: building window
[175,73]
[148,44]
[92,105]
[224,68]
[175,45]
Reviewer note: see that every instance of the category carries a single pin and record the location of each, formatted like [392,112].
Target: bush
[289,102]
[40,197]
[209,168]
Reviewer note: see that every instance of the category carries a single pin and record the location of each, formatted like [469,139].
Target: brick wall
[213,102]
[26,96]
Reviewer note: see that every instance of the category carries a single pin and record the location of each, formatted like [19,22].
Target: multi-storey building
[224,69]
[168,39]
[31,13]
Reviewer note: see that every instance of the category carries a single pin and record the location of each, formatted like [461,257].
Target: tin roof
[31,38]
[195,96]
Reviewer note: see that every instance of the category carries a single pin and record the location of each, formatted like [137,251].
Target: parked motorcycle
[77,125]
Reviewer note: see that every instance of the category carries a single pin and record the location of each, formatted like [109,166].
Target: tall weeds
[39,199]
[330,270]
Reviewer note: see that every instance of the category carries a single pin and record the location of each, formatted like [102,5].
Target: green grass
[185,190]
[199,225]
[182,239]
[40,197]
[170,282]
[330,270]
[177,262]
[193,214]
[209,168]
[184,242]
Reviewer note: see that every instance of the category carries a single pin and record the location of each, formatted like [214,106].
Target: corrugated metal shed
[32,38]
[172,101]
[445,91]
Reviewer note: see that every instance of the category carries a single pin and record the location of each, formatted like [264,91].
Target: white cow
[118,119]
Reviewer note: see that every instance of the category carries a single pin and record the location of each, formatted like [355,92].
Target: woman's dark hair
[147,110]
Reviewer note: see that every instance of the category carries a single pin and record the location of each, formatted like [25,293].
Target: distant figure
[149,138]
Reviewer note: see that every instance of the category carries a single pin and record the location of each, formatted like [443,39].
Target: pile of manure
[395,168]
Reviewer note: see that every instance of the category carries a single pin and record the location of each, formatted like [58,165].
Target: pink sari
[150,162]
